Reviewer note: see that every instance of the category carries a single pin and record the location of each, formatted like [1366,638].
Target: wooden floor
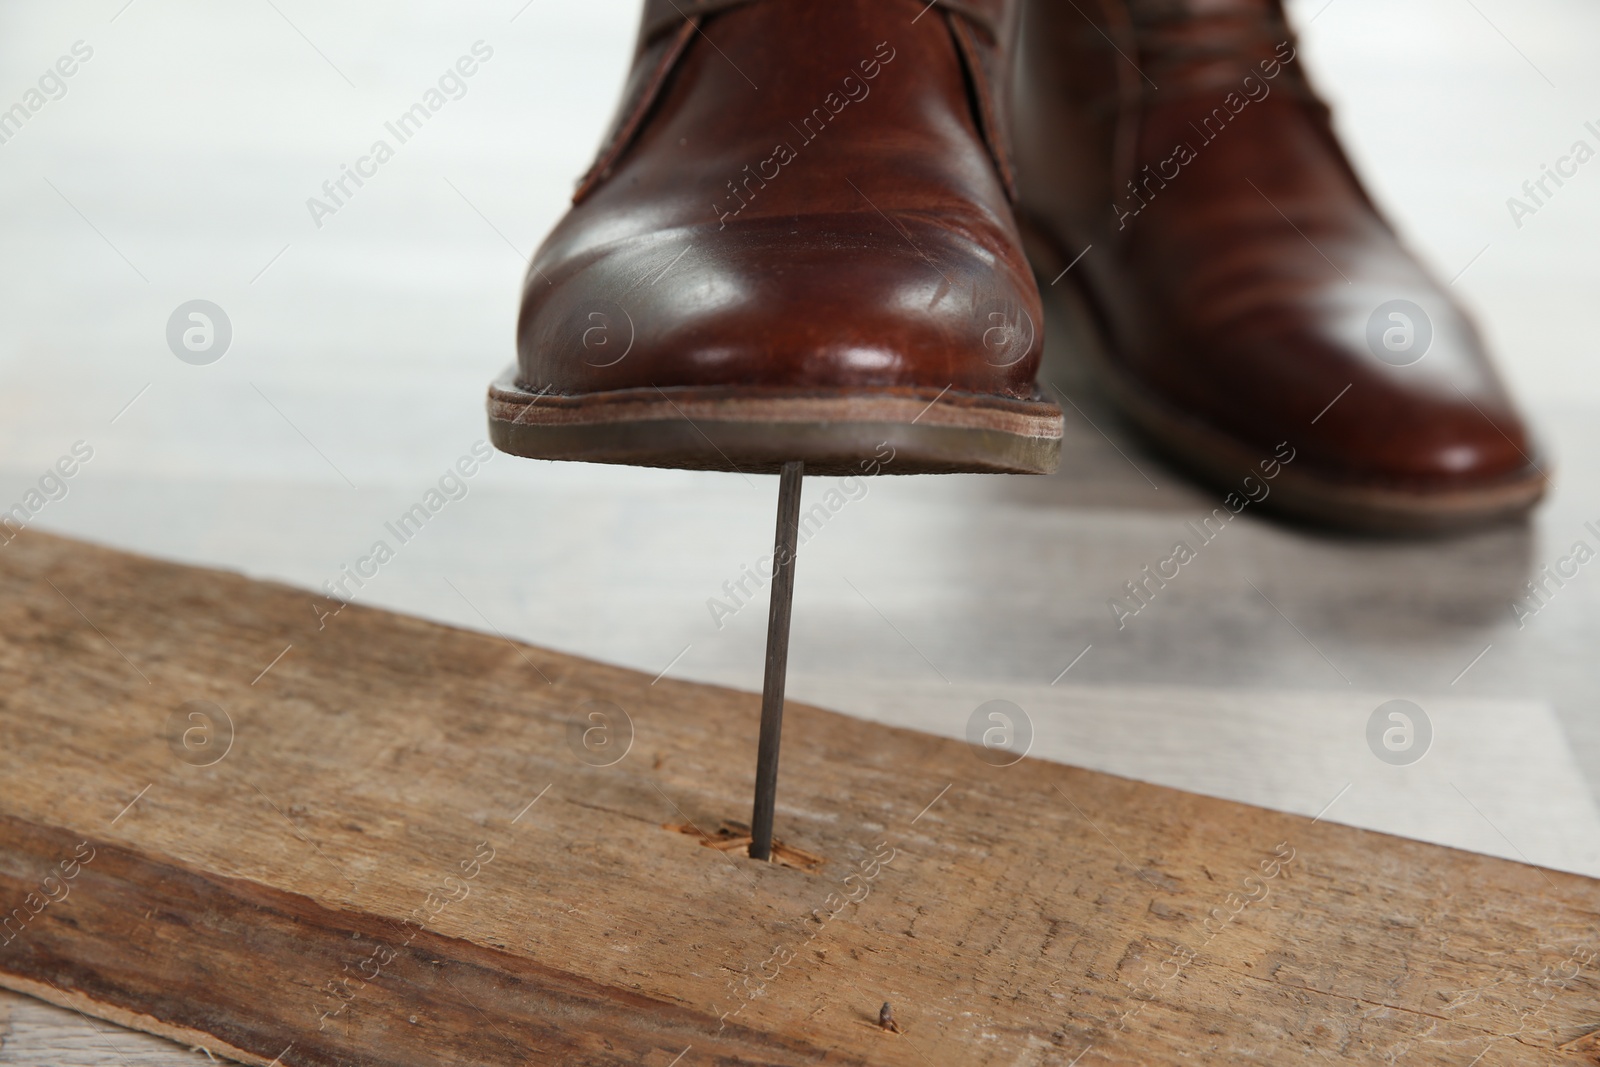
[407,844]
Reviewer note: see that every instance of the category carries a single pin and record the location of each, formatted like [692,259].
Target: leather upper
[1241,271]
[795,194]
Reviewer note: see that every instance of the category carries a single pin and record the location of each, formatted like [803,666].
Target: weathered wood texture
[361,877]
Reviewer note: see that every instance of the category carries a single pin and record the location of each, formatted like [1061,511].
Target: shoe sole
[1223,462]
[834,432]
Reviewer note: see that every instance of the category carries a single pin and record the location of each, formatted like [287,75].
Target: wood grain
[403,858]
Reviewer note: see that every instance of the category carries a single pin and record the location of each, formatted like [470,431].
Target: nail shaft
[784,545]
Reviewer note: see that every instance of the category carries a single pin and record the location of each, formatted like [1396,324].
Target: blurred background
[176,162]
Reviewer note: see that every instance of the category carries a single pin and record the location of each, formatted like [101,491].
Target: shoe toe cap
[1382,384]
[1424,405]
[836,303]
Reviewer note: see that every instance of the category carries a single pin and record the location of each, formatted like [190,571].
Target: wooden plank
[408,855]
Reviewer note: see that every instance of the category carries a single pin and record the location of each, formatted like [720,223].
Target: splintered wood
[367,838]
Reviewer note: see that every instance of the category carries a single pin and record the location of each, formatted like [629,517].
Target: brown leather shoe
[796,243]
[1250,293]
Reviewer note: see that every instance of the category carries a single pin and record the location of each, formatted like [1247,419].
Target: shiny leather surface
[796,194]
[1237,263]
